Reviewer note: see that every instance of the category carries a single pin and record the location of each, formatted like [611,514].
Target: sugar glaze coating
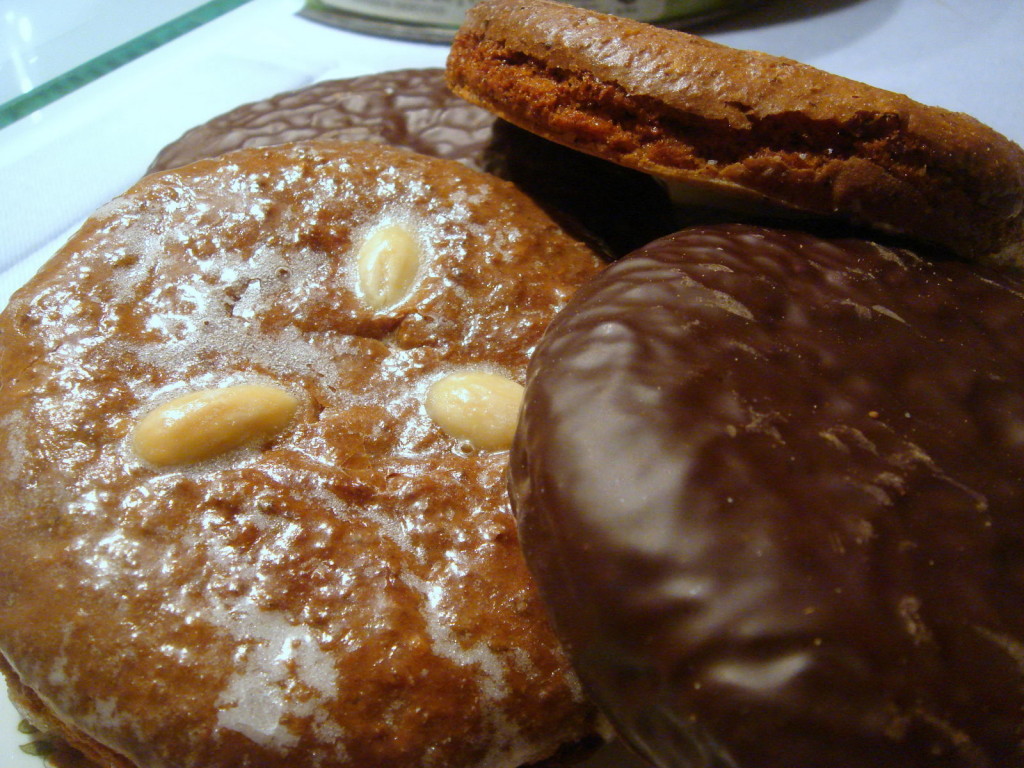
[349,592]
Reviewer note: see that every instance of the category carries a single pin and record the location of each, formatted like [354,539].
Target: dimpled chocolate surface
[772,488]
[349,592]
[408,108]
[618,208]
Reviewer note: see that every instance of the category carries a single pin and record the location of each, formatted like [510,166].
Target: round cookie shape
[617,208]
[331,578]
[743,128]
[771,487]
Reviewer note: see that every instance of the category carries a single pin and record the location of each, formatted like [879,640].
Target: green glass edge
[94,68]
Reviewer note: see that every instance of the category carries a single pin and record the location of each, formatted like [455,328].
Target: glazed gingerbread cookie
[742,128]
[254,424]
[771,488]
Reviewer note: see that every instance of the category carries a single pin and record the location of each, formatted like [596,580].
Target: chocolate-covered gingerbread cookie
[772,487]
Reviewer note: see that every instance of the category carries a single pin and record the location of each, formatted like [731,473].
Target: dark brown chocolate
[409,108]
[616,208]
[772,487]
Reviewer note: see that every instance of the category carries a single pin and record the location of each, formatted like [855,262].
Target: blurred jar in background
[437,20]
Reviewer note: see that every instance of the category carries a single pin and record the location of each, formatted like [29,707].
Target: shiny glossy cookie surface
[232,530]
[771,488]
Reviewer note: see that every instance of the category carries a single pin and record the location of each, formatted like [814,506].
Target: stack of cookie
[612,380]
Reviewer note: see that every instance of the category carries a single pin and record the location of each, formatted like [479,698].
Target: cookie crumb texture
[745,124]
[344,591]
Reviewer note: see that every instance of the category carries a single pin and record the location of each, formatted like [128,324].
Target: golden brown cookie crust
[685,108]
[346,592]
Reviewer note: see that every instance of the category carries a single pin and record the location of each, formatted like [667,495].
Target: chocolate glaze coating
[618,209]
[408,108]
[772,487]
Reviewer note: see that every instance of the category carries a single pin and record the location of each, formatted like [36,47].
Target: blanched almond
[205,423]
